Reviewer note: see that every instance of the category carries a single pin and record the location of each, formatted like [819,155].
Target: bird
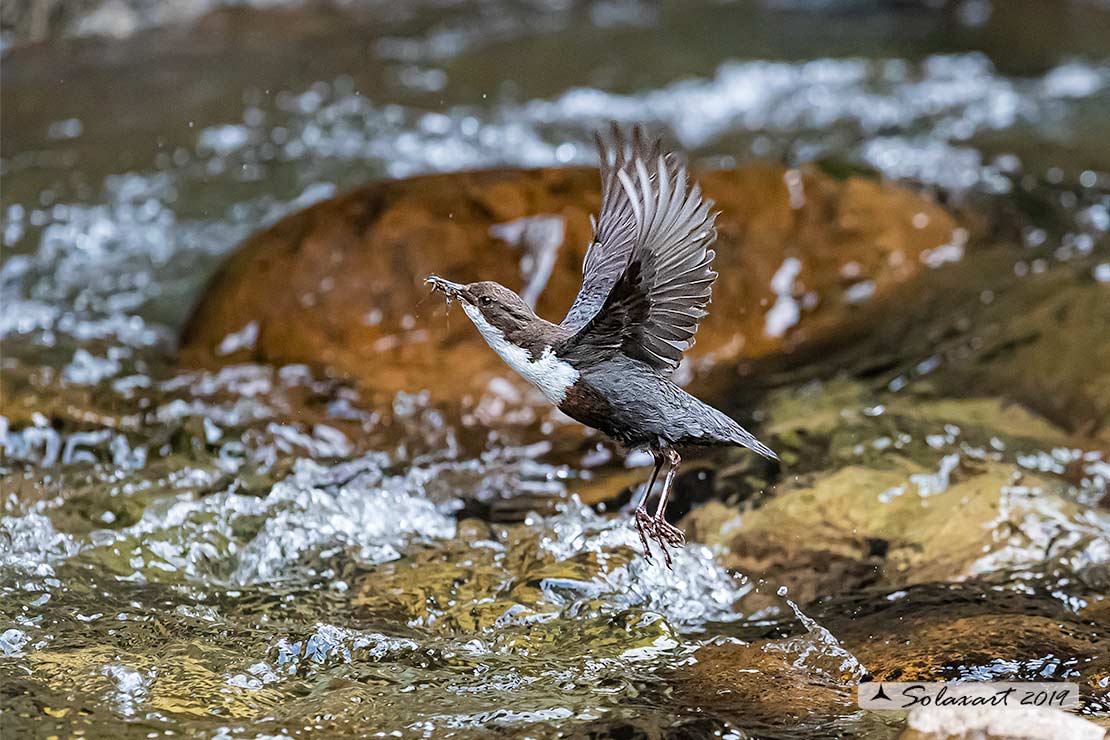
[647,280]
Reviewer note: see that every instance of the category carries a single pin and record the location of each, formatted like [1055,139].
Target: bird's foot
[672,534]
[659,530]
[645,528]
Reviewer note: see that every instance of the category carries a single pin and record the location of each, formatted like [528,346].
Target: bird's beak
[455,291]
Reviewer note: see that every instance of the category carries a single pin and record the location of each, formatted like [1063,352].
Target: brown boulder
[340,283]
[800,682]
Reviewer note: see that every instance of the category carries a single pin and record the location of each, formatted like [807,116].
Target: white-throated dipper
[646,281]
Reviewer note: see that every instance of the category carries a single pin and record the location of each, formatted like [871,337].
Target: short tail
[716,427]
[744,438]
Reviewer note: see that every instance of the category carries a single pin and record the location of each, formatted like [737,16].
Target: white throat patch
[548,373]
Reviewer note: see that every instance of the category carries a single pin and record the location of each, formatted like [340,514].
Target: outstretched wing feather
[615,228]
[652,308]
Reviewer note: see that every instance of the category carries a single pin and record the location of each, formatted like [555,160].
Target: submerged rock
[340,283]
[770,683]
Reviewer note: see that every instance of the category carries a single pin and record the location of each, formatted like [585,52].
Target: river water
[191,552]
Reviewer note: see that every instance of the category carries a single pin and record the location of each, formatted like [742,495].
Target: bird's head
[488,303]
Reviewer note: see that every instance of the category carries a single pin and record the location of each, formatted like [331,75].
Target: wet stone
[919,490]
[797,682]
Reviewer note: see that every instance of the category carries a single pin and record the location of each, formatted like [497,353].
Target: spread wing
[615,228]
[653,307]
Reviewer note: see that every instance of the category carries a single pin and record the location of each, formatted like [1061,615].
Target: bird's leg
[645,492]
[665,533]
[656,527]
[644,522]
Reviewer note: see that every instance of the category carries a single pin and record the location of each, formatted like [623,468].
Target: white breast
[548,373]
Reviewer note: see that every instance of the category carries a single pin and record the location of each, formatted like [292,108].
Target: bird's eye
[485,300]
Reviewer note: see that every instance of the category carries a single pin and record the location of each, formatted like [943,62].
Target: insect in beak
[453,291]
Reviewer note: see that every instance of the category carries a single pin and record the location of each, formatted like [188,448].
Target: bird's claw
[659,530]
[672,534]
[644,529]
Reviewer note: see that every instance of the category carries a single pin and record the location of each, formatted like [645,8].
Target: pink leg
[656,527]
[663,532]
[643,521]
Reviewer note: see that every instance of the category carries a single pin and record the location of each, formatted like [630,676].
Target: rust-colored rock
[791,682]
[340,283]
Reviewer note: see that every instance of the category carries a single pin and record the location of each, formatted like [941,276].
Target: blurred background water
[191,551]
